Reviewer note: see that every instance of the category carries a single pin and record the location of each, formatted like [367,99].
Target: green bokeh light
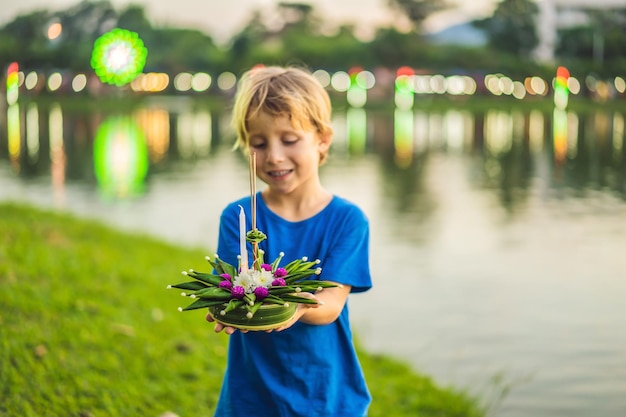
[118,56]
[120,157]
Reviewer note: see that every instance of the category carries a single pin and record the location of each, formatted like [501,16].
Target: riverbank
[87,328]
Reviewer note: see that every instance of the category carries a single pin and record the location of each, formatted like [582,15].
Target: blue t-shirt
[306,370]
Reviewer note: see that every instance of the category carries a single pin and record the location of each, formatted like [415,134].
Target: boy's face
[287,158]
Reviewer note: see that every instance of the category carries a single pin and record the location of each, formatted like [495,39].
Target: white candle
[242,240]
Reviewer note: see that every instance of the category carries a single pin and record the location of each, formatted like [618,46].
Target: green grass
[88,329]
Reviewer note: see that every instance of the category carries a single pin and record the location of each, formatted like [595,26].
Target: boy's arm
[331,302]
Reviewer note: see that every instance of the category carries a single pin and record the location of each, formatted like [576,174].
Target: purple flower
[238,292]
[279,282]
[226,284]
[267,267]
[226,276]
[261,292]
[280,272]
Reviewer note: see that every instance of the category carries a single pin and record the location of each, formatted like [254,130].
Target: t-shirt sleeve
[347,260]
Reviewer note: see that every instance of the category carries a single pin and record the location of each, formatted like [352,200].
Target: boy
[309,366]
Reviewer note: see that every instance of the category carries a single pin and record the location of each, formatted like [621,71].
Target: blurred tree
[512,28]
[416,11]
[174,50]
[296,14]
[25,40]
[339,51]
[246,43]
[393,48]
[82,25]
[134,18]
[599,44]
[281,40]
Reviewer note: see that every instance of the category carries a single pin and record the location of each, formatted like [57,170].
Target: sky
[223,18]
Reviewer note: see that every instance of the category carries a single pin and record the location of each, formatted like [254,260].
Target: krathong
[261,296]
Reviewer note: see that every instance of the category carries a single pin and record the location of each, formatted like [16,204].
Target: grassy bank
[87,329]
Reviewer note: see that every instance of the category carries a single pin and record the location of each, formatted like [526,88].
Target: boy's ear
[325,141]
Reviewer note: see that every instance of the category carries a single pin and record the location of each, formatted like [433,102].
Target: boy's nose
[275,154]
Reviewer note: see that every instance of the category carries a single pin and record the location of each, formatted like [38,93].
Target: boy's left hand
[302,308]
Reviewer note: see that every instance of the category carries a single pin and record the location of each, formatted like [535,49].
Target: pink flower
[238,292]
[280,272]
[267,267]
[279,282]
[226,276]
[226,284]
[261,292]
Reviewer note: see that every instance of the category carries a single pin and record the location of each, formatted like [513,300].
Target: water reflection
[120,154]
[403,137]
[194,134]
[58,160]
[356,126]
[32,132]
[14,135]
[154,125]
[587,149]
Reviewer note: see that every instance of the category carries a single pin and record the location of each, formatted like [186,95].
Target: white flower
[252,279]
[263,278]
[245,280]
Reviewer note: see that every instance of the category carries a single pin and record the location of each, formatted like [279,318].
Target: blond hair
[291,92]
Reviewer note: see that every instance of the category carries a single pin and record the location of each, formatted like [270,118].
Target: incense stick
[252,168]
[252,162]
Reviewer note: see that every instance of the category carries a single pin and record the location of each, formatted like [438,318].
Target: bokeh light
[323,77]
[79,83]
[404,91]
[12,83]
[226,81]
[365,79]
[201,81]
[55,80]
[620,85]
[182,81]
[539,86]
[31,80]
[152,82]
[519,91]
[456,85]
[54,30]
[438,83]
[573,85]
[356,94]
[120,157]
[118,57]
[561,90]
[340,81]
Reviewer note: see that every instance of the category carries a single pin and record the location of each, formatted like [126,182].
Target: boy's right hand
[219,326]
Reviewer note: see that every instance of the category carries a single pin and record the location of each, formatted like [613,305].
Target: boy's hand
[219,326]
[302,308]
